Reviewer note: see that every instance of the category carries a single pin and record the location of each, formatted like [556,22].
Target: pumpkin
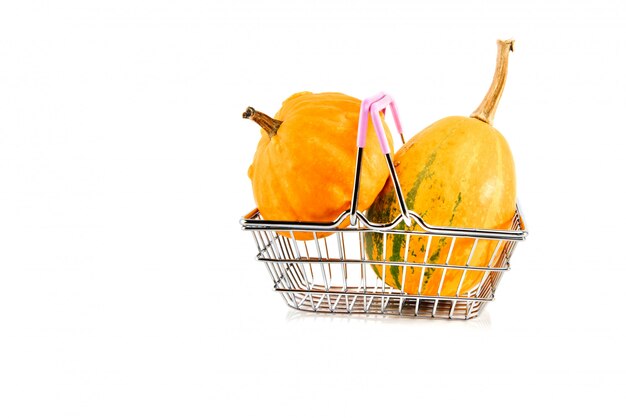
[303,168]
[458,172]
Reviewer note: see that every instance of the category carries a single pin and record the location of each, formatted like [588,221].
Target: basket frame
[320,276]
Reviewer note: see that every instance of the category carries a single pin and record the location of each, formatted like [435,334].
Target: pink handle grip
[364,118]
[373,106]
[396,118]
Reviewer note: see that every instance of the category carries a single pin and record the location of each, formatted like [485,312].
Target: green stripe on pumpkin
[424,173]
[442,242]
[399,239]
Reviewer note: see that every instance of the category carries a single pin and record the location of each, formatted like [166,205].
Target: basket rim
[252,222]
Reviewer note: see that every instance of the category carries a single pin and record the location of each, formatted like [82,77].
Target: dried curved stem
[487,109]
[270,125]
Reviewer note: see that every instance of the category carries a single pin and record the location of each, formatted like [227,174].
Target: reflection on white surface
[292,315]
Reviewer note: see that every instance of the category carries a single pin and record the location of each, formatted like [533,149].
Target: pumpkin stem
[487,109]
[270,125]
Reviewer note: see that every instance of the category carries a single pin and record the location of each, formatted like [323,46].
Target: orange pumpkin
[303,168]
[458,172]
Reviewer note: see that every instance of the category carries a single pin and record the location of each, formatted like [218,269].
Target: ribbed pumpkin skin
[457,172]
[306,171]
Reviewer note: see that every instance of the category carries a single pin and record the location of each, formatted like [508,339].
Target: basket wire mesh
[332,274]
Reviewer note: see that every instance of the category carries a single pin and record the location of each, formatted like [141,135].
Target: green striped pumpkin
[458,172]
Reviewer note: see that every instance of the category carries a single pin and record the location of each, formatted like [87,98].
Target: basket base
[418,307]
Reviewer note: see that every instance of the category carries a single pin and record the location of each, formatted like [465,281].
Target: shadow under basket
[334,274]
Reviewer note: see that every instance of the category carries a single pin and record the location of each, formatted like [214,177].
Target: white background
[127,288]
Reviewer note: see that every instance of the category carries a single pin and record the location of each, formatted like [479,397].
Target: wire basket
[333,273]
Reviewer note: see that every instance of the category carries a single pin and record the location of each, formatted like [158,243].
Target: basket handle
[372,107]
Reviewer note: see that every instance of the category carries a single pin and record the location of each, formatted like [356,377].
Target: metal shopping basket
[332,274]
